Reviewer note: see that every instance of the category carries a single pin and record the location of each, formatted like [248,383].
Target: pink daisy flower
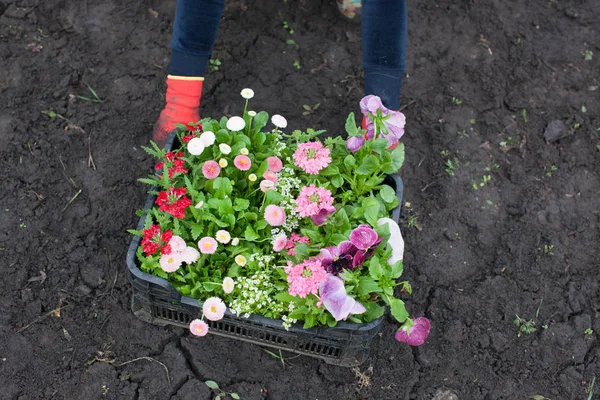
[170,262]
[267,185]
[312,157]
[177,244]
[189,255]
[211,169]
[214,308]
[275,215]
[305,278]
[279,243]
[207,245]
[242,162]
[198,327]
[275,164]
[270,176]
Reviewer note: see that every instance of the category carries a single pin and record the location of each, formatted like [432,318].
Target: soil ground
[501,222]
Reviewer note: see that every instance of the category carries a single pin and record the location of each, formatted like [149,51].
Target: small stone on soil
[555,130]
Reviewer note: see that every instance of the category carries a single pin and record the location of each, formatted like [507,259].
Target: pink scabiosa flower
[198,327]
[393,123]
[228,285]
[314,202]
[335,299]
[312,157]
[177,244]
[270,176]
[207,245]
[211,169]
[279,243]
[274,215]
[170,262]
[414,332]
[214,308]
[306,277]
[275,164]
[267,185]
[242,162]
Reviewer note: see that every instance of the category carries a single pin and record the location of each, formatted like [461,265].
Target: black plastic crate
[156,301]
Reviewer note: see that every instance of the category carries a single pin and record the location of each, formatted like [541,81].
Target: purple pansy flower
[336,258]
[336,300]
[366,240]
[414,332]
[394,124]
[319,219]
[354,143]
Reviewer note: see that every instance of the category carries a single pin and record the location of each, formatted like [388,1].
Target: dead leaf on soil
[41,278]
[364,378]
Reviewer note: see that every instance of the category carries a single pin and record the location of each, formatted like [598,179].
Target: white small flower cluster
[278,145]
[262,261]
[287,321]
[255,296]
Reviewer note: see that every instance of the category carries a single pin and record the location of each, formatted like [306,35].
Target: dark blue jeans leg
[194,32]
[384,31]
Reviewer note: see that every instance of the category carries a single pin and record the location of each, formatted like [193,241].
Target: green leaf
[349,161]
[374,311]
[375,268]
[309,321]
[398,310]
[371,209]
[260,121]
[222,185]
[259,138]
[387,194]
[301,250]
[337,181]
[251,216]
[342,222]
[397,159]
[218,397]
[148,181]
[241,204]
[397,269]
[369,165]
[330,170]
[378,145]
[351,128]
[284,297]
[249,234]
[235,396]
[367,285]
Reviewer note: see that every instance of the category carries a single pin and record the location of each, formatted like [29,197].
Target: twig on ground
[410,103]
[147,359]
[42,317]
[90,158]
[72,199]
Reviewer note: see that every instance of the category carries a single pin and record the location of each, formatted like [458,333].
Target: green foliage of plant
[221,394]
[524,327]
[214,64]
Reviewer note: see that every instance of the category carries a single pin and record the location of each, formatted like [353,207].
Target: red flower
[177,168]
[159,166]
[170,156]
[173,201]
[187,138]
[153,240]
[174,164]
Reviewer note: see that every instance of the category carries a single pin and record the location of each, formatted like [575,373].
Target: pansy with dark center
[366,241]
[337,258]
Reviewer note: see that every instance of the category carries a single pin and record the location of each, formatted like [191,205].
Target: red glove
[183,103]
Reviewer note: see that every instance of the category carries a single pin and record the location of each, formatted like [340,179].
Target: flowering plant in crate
[279,224]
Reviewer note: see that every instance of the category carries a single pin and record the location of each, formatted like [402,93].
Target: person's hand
[183,103]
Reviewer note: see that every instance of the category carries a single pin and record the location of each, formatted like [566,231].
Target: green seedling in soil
[550,170]
[484,180]
[589,331]
[280,357]
[472,121]
[591,389]
[288,28]
[508,144]
[53,115]
[297,65]
[451,165]
[538,397]
[96,99]
[22,225]
[524,115]
[583,109]
[456,101]
[214,64]
[588,55]
[309,110]
[444,153]
[413,222]
[292,42]
[548,249]
[524,327]
[222,394]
